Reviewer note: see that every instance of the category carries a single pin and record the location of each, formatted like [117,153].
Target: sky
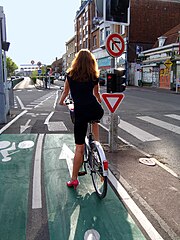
[38,29]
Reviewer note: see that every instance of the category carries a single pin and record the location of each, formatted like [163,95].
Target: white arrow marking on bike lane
[24,127]
[67,154]
[92,234]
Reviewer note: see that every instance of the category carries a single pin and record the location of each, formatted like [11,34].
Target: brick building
[149,19]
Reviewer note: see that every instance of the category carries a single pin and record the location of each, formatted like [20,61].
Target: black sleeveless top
[82,92]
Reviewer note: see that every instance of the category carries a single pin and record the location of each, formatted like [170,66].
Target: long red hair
[84,66]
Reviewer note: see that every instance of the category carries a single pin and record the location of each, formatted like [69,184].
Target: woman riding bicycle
[83,84]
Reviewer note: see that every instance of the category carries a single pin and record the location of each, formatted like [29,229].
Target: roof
[172,36]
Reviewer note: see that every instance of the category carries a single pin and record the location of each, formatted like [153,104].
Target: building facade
[70,51]
[160,65]
[149,19]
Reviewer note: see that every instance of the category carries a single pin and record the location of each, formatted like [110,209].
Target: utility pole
[3,118]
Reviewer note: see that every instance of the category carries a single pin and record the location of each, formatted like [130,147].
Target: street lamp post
[3,118]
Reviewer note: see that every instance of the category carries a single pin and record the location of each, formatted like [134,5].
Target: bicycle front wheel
[99,181]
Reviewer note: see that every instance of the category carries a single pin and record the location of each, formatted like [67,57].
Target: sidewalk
[155,89]
[154,190]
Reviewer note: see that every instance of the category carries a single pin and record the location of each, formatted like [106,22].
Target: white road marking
[24,127]
[175,116]
[56,99]
[56,126]
[29,105]
[36,193]
[145,154]
[21,104]
[136,211]
[67,154]
[11,122]
[162,124]
[48,118]
[137,132]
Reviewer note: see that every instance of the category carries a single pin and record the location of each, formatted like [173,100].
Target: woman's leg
[95,130]
[78,160]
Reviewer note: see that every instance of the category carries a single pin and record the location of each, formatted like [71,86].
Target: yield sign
[112,100]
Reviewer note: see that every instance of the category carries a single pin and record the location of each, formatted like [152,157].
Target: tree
[11,66]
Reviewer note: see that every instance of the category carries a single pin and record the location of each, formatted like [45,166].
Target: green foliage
[11,67]
[33,76]
[43,69]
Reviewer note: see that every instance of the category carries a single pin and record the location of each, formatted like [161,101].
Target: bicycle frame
[94,159]
[91,143]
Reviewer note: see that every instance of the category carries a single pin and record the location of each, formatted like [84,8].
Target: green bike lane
[71,214]
[16,154]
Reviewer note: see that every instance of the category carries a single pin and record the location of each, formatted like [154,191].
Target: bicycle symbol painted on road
[6,148]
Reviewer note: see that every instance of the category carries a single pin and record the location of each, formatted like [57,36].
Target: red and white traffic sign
[112,100]
[115,45]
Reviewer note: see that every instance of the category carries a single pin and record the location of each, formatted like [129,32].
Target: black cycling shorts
[83,115]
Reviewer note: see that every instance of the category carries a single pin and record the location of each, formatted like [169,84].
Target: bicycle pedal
[82,173]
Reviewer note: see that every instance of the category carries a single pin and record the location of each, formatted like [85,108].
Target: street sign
[115,45]
[39,71]
[168,63]
[112,100]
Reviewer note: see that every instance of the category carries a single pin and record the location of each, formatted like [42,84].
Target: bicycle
[95,160]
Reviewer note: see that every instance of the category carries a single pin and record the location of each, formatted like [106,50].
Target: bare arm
[64,93]
[96,92]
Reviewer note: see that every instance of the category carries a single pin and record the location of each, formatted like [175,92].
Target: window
[107,29]
[94,41]
[102,34]
[86,43]
[122,29]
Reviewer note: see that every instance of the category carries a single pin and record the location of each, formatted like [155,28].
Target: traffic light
[116,82]
[117,11]
[111,82]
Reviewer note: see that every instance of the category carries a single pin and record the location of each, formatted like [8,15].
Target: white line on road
[21,104]
[56,126]
[162,124]
[145,154]
[137,132]
[56,99]
[67,154]
[177,117]
[136,211]
[48,118]
[36,193]
[12,121]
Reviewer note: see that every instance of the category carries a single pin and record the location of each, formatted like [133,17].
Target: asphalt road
[149,127]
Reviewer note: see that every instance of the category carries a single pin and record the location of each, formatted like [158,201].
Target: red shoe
[73,183]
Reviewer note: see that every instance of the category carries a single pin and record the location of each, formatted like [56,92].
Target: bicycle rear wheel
[99,181]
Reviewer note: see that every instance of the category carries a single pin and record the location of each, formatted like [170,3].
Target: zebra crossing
[136,130]
[145,136]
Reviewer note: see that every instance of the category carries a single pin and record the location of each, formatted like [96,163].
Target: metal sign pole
[113,139]
[113,123]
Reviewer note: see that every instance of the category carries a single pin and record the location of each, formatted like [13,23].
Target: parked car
[101,81]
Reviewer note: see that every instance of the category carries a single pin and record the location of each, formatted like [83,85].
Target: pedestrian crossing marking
[174,116]
[162,124]
[137,132]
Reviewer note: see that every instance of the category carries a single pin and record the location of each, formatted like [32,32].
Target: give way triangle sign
[112,100]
